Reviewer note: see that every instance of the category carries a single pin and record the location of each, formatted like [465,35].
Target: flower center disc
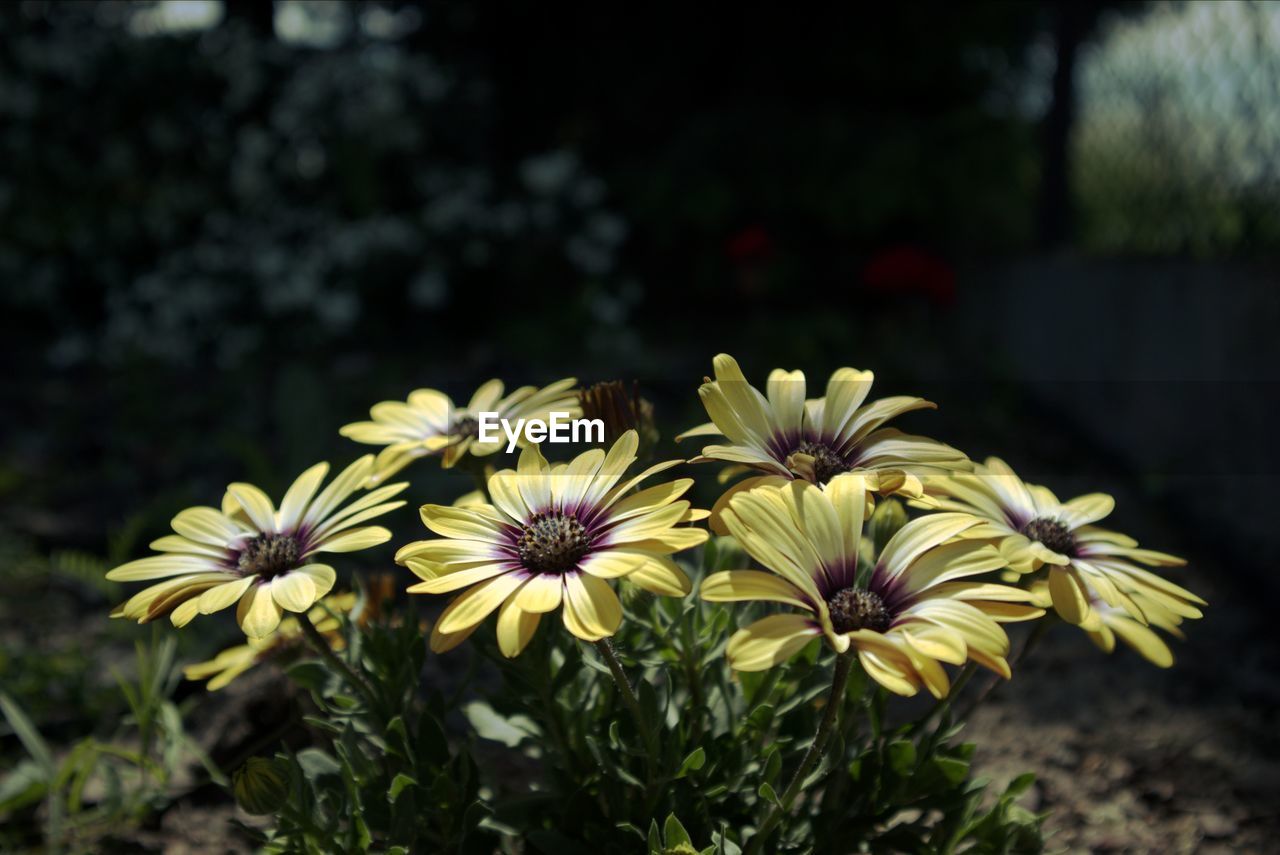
[552,542]
[466,426]
[1052,534]
[827,464]
[854,608]
[269,555]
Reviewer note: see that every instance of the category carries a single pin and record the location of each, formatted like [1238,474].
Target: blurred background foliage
[228,228]
[225,224]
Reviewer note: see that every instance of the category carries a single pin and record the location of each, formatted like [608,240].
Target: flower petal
[731,586]
[770,641]
[504,488]
[662,576]
[206,525]
[299,495]
[255,504]
[294,592]
[347,482]
[354,539]
[592,610]
[515,628]
[221,597]
[258,613]
[162,566]
[542,593]
[1070,598]
[322,576]
[475,604]
[453,580]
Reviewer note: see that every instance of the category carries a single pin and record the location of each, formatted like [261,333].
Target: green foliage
[46,796]
[380,774]
[542,754]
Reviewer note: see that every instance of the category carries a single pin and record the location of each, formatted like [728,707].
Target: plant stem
[839,677]
[326,652]
[605,648]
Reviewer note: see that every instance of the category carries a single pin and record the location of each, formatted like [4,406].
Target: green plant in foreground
[131,771]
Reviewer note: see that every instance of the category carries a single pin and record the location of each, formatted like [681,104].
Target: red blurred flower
[910,269]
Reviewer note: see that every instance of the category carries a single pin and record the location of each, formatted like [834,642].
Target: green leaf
[1019,785]
[761,716]
[25,784]
[723,845]
[902,756]
[766,792]
[489,724]
[626,826]
[655,838]
[674,832]
[695,761]
[316,764]
[773,763]
[953,770]
[27,734]
[398,785]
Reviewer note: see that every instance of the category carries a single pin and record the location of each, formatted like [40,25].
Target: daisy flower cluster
[545,537]
[812,505]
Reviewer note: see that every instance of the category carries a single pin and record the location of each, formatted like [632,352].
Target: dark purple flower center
[855,608]
[465,426]
[552,542]
[269,555]
[1052,534]
[827,463]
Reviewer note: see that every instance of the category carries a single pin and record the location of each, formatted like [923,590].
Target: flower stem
[326,652]
[620,677]
[839,678]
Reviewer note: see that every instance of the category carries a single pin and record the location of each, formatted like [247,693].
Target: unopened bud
[889,516]
[260,786]
[621,409]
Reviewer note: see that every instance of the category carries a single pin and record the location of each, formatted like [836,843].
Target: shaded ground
[1134,759]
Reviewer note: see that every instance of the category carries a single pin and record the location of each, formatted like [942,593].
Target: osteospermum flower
[553,536]
[253,555]
[234,661]
[786,435]
[1085,563]
[428,423]
[914,610]
[1107,623]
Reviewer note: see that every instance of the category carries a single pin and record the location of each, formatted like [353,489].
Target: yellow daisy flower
[428,423]
[1085,563]
[915,609]
[234,661]
[554,535]
[1106,623]
[254,555]
[785,435]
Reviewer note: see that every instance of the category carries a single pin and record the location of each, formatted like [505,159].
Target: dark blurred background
[227,228]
